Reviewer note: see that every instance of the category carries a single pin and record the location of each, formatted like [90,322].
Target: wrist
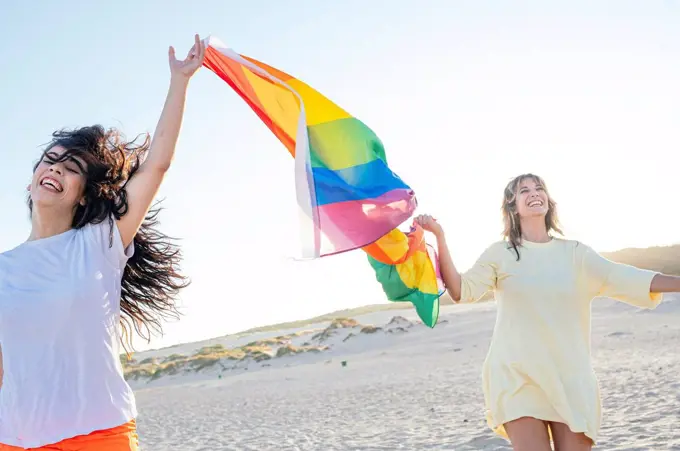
[179,82]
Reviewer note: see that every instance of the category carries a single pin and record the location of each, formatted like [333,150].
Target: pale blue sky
[464,95]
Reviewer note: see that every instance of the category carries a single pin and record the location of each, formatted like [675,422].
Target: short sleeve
[618,281]
[482,276]
[106,238]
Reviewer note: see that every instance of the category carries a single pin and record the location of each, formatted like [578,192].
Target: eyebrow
[77,163]
[54,157]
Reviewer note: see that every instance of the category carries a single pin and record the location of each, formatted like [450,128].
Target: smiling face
[531,198]
[526,197]
[58,181]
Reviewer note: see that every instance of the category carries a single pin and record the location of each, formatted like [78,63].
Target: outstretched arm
[144,184]
[662,283]
[635,286]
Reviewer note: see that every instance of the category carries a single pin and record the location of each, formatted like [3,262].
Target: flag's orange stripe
[416,242]
[228,72]
[375,251]
[278,102]
[271,70]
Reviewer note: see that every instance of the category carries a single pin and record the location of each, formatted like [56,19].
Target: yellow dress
[538,364]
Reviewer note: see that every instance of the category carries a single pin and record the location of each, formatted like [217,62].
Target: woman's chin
[51,201]
[536,214]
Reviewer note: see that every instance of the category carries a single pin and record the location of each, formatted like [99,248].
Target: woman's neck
[47,223]
[534,230]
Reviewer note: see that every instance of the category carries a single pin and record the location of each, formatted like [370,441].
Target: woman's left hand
[187,67]
[429,224]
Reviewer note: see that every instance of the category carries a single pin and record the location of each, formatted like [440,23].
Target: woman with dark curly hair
[94,261]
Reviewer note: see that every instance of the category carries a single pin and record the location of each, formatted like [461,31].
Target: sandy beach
[403,386]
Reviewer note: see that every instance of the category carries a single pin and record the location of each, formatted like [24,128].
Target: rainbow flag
[347,194]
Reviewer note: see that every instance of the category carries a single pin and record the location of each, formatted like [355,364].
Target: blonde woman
[538,380]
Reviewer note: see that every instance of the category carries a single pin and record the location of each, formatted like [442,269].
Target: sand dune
[404,386]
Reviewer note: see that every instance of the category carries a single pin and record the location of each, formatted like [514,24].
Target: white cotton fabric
[59,332]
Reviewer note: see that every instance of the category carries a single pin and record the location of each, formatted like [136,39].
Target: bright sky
[463,94]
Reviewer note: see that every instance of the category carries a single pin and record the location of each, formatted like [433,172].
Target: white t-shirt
[59,332]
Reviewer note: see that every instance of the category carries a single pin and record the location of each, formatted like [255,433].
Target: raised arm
[450,275]
[144,184]
[474,283]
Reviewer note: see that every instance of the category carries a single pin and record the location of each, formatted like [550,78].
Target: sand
[408,387]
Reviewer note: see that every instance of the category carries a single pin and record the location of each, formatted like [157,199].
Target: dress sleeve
[481,277]
[619,281]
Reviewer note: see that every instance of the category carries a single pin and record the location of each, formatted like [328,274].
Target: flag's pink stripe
[355,224]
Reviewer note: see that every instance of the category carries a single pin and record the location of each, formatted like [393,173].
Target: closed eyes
[72,165]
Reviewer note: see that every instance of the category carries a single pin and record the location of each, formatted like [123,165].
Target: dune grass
[209,356]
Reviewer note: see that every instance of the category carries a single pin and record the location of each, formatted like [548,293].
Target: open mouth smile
[51,184]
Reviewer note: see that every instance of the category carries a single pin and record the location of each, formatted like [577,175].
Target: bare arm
[473,284]
[450,274]
[662,283]
[144,184]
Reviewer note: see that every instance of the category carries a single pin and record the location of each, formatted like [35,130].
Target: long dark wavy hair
[151,279]
[512,230]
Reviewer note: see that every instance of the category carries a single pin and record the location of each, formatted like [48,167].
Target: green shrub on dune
[204,361]
[174,358]
[205,350]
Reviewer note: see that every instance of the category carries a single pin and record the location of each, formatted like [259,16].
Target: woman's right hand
[429,224]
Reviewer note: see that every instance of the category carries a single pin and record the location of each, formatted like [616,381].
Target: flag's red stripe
[227,70]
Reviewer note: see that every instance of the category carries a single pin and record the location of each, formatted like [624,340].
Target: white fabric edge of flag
[310,232]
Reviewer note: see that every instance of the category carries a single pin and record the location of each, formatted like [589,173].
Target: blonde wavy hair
[512,230]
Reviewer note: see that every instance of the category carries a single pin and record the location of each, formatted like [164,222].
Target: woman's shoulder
[503,248]
[104,237]
[571,243]
[498,249]
[579,249]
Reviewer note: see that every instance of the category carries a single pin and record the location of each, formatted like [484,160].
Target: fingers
[197,53]
[192,53]
[201,55]
[195,49]
[193,60]
[421,220]
[424,219]
[427,222]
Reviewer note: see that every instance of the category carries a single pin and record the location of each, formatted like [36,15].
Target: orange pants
[120,438]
